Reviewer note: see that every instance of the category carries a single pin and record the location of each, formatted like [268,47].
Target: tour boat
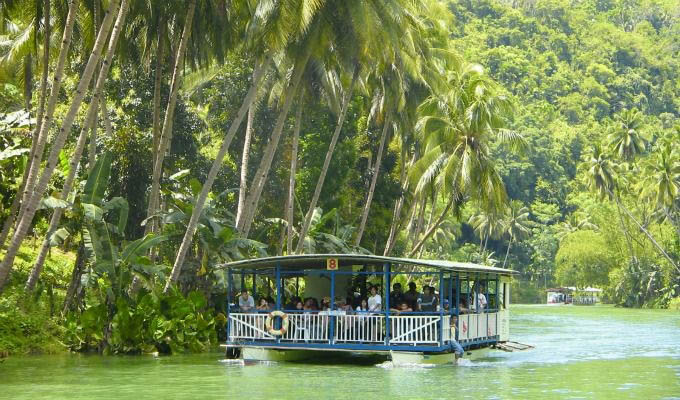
[284,333]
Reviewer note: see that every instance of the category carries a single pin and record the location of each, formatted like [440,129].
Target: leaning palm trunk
[9,221]
[374,180]
[90,120]
[244,223]
[46,118]
[507,252]
[291,182]
[433,227]
[207,185]
[60,139]
[165,139]
[326,162]
[396,215]
[645,231]
[243,184]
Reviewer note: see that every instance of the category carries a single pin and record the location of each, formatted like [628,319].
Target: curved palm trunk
[243,225]
[60,139]
[92,148]
[291,182]
[105,118]
[207,185]
[243,185]
[326,162]
[166,135]
[507,252]
[46,120]
[646,232]
[9,221]
[157,89]
[90,120]
[432,228]
[396,214]
[374,180]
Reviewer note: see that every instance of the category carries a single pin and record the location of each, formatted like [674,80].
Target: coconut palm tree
[626,138]
[40,139]
[90,119]
[30,206]
[515,224]
[662,181]
[456,128]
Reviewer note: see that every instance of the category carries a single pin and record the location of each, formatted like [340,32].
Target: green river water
[581,352]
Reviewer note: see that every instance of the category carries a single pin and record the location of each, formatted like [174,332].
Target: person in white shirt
[246,303]
[479,299]
[374,301]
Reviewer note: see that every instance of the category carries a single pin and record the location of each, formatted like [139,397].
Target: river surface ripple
[581,353]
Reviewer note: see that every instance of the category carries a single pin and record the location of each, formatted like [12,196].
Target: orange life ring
[269,323]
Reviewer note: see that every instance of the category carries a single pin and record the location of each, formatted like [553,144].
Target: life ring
[269,323]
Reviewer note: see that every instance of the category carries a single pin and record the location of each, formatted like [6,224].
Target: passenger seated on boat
[363,306]
[262,305]
[326,304]
[311,304]
[479,300]
[427,301]
[271,303]
[411,296]
[396,295]
[402,307]
[246,303]
[292,304]
[375,301]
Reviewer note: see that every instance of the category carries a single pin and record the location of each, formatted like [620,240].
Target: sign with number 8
[332,264]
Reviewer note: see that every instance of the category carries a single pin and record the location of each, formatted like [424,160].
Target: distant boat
[572,295]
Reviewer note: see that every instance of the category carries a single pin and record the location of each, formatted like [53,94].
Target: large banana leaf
[123,208]
[98,180]
[140,246]
[59,236]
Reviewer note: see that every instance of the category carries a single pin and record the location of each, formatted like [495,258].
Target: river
[596,352]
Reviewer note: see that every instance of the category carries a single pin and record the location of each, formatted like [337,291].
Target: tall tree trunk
[290,205]
[245,155]
[90,120]
[214,169]
[374,180]
[9,221]
[243,225]
[327,161]
[166,135]
[46,119]
[507,252]
[156,127]
[92,148]
[396,214]
[78,268]
[59,140]
[105,118]
[432,228]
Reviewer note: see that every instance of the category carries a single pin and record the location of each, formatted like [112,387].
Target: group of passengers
[399,302]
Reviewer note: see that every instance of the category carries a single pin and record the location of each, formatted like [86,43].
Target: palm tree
[601,180]
[30,207]
[515,224]
[37,150]
[626,139]
[662,181]
[90,120]
[456,128]
[573,223]
[270,33]
[166,132]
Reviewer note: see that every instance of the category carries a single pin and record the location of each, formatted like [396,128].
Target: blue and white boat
[472,309]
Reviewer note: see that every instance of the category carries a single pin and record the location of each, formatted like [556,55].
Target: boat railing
[477,326]
[367,328]
[307,327]
[360,328]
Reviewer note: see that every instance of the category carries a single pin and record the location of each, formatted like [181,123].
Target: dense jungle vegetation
[143,143]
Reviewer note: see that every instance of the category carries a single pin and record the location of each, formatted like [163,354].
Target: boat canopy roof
[318,261]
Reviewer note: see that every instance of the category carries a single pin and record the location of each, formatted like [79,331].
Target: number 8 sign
[332,264]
